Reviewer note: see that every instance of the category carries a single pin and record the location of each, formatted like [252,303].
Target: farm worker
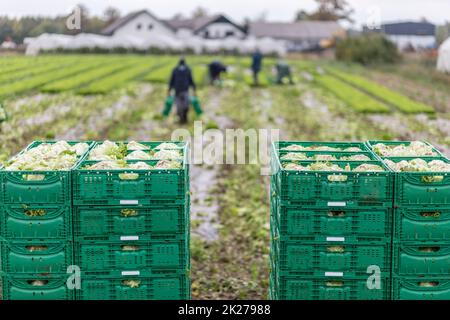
[180,82]
[283,72]
[216,68]
[257,60]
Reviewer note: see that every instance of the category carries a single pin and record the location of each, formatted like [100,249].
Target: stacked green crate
[36,221]
[421,237]
[331,230]
[131,221]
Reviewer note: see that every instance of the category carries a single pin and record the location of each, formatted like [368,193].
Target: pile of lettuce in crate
[96,220]
[359,221]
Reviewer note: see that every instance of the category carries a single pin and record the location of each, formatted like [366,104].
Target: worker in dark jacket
[257,60]
[180,82]
[216,68]
[283,72]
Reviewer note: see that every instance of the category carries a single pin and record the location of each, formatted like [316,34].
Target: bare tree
[111,14]
[331,10]
[199,12]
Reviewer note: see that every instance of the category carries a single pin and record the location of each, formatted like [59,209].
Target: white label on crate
[336,239]
[129,238]
[129,202]
[334,274]
[131,273]
[337,204]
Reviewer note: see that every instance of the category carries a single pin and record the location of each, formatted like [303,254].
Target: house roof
[296,30]
[409,28]
[124,20]
[197,24]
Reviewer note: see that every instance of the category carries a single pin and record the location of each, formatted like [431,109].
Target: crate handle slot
[131,283]
[429,249]
[128,176]
[428,284]
[36,248]
[37,283]
[35,212]
[129,248]
[337,178]
[336,213]
[33,177]
[431,179]
[435,214]
[336,249]
[129,213]
[334,283]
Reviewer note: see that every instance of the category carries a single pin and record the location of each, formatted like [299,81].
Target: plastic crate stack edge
[330,234]
[132,236]
[421,232]
[36,233]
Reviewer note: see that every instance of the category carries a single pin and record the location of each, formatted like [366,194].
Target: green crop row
[117,79]
[101,70]
[353,97]
[200,74]
[35,70]
[386,95]
[161,74]
[37,81]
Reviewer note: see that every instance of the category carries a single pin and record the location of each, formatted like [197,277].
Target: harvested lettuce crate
[319,258]
[131,187]
[425,189]
[319,224]
[36,287]
[327,155]
[422,224]
[154,222]
[420,288]
[169,287]
[434,152]
[421,258]
[35,256]
[319,146]
[36,222]
[37,187]
[333,188]
[103,257]
[332,288]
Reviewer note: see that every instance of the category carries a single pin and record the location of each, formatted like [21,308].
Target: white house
[299,36]
[208,27]
[415,35]
[140,24]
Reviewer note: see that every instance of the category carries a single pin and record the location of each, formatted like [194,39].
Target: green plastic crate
[314,188]
[36,256]
[147,187]
[421,258]
[318,224]
[174,287]
[419,189]
[54,188]
[294,258]
[104,257]
[34,287]
[421,288]
[154,222]
[422,224]
[330,288]
[372,143]
[36,222]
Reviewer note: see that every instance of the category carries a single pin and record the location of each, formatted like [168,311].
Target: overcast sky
[437,11]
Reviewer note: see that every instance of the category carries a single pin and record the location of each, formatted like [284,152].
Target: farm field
[96,97]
